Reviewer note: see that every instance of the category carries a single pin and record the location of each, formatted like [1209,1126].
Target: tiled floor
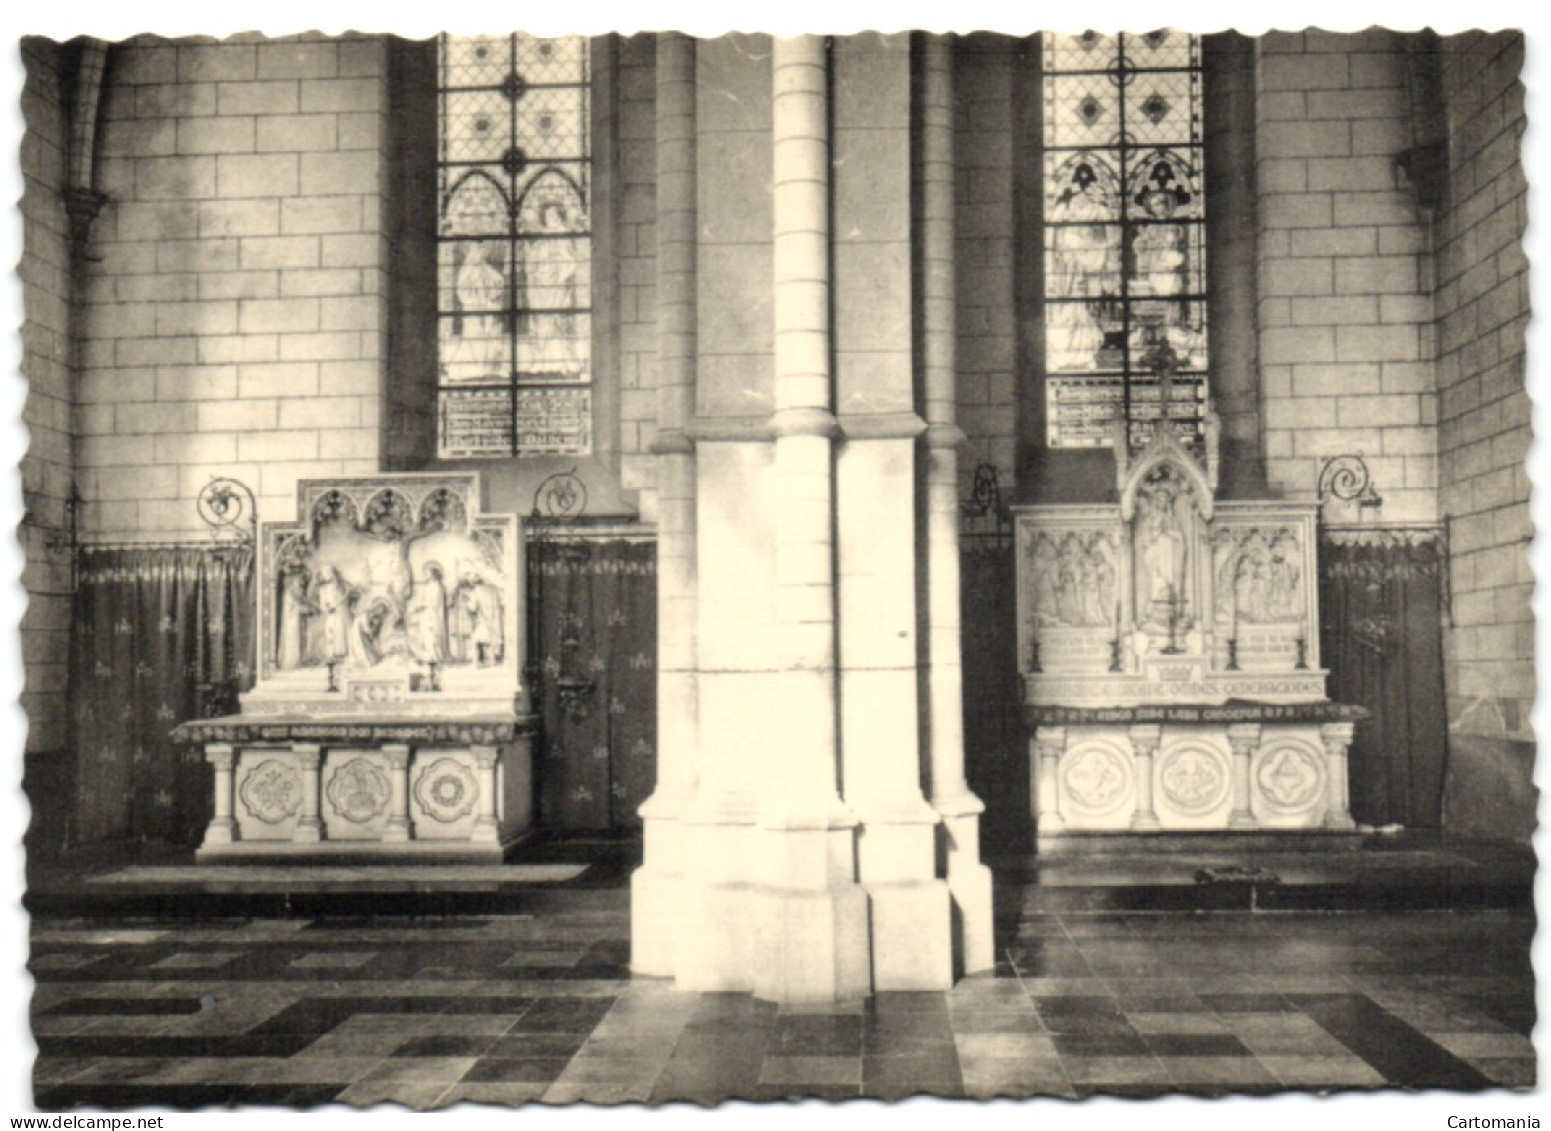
[512,1009]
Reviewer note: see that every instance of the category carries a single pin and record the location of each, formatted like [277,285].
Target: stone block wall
[637,245]
[736,328]
[47,470]
[1483,438]
[1345,310]
[985,227]
[233,319]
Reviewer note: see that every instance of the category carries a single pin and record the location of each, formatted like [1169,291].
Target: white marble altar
[1169,648]
[388,717]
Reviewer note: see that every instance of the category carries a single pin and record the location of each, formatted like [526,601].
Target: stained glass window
[514,249]
[1124,250]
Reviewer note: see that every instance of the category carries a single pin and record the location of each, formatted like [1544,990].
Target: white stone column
[223,826]
[812,930]
[656,901]
[1145,740]
[486,826]
[309,760]
[1337,738]
[1045,753]
[737,702]
[1244,739]
[880,518]
[396,830]
[969,881]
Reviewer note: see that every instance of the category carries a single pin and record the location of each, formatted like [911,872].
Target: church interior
[643,568]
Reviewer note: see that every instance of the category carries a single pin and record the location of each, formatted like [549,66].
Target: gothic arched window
[514,247]
[1124,233]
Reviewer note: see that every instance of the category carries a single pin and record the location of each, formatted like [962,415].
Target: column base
[396,831]
[713,928]
[220,831]
[716,938]
[812,946]
[1339,821]
[657,923]
[485,831]
[1242,819]
[309,830]
[912,935]
[1145,822]
[969,888]
[974,922]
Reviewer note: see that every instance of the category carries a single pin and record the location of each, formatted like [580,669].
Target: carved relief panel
[357,794]
[1097,783]
[1193,779]
[444,794]
[1264,588]
[1288,781]
[383,588]
[1070,578]
[267,794]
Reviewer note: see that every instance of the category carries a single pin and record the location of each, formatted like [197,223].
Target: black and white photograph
[591,564]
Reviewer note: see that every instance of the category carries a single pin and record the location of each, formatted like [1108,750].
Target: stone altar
[1169,650]
[388,717]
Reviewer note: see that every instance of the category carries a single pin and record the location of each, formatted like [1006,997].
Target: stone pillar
[1244,739]
[1144,747]
[309,760]
[1337,738]
[969,881]
[656,911]
[1045,753]
[878,516]
[396,831]
[486,826]
[812,934]
[222,825]
[739,704]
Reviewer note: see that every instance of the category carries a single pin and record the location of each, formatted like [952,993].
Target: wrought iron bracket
[1347,479]
[562,495]
[228,505]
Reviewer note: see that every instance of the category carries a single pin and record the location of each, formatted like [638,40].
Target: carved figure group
[325,618]
[1260,579]
[1074,580]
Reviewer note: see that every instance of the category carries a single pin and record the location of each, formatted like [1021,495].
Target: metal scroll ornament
[562,495]
[1347,479]
[228,505]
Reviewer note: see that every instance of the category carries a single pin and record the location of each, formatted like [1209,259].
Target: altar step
[1169,872]
[572,874]
[1313,871]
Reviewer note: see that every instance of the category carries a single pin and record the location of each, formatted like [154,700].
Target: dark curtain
[155,628]
[592,618]
[996,765]
[1381,638]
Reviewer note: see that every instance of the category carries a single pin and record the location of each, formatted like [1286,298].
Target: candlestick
[1173,648]
[1114,643]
